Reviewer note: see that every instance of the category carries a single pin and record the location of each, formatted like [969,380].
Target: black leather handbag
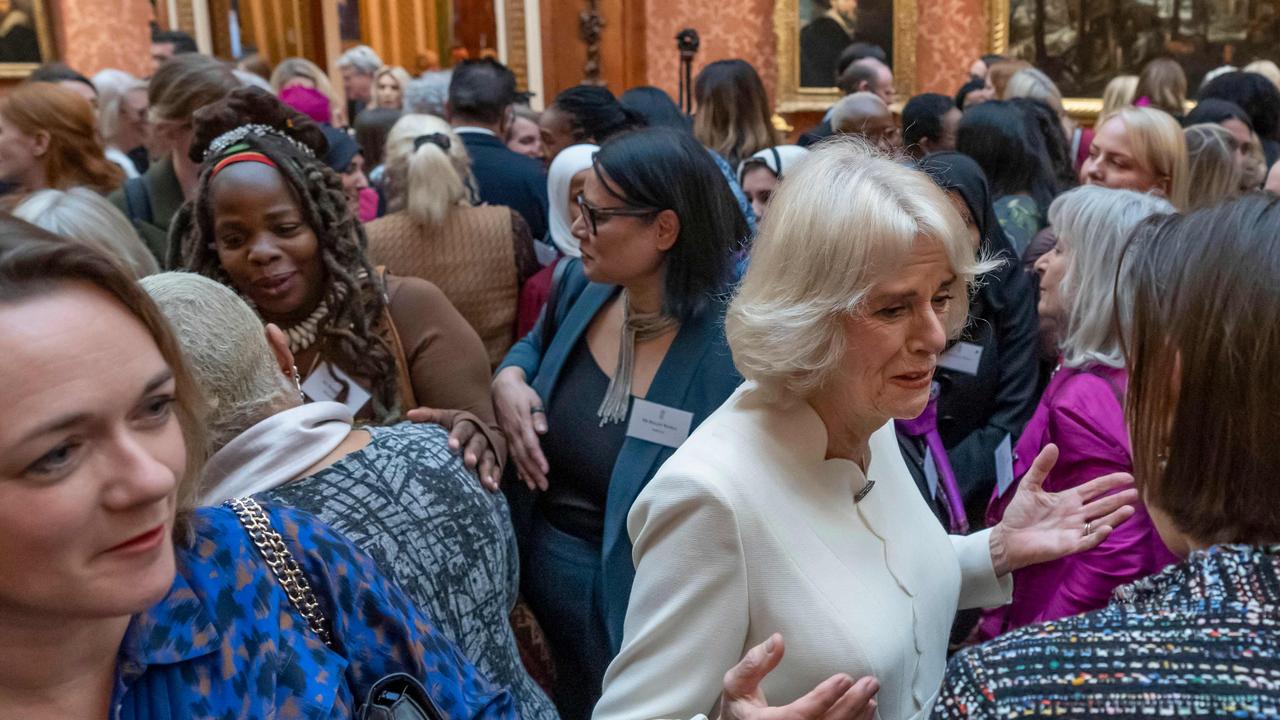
[397,696]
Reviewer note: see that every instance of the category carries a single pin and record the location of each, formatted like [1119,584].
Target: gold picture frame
[792,97]
[39,24]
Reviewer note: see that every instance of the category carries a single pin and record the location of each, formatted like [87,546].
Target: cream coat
[747,531]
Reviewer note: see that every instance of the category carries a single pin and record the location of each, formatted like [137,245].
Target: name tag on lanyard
[963,357]
[329,382]
[658,423]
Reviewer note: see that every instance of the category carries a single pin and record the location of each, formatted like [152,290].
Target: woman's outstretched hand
[838,697]
[1039,526]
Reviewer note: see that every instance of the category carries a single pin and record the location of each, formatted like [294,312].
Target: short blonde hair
[424,178]
[226,347]
[400,75]
[83,215]
[1120,93]
[1215,174]
[841,219]
[1159,145]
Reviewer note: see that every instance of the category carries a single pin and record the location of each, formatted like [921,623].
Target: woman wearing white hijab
[761,173]
[565,177]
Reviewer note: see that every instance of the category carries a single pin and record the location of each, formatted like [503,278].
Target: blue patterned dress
[1199,640]
[226,642]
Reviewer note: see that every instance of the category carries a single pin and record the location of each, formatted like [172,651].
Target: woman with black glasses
[628,358]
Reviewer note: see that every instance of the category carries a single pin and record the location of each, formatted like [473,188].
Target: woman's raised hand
[1039,526]
[838,697]
[523,419]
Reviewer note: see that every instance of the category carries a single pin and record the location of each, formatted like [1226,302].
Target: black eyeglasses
[594,214]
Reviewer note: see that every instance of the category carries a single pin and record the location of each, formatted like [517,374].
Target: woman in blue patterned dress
[118,602]
[1199,639]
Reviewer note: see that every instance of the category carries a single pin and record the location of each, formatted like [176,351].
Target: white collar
[275,451]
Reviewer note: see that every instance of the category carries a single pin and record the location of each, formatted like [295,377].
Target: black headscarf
[959,173]
[976,412]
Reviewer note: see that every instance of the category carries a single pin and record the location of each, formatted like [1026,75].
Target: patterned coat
[1200,639]
[226,642]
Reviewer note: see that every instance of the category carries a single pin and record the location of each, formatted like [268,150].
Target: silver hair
[1093,223]
[427,95]
[113,87]
[226,346]
[83,215]
[362,59]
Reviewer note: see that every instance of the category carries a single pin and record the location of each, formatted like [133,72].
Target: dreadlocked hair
[349,334]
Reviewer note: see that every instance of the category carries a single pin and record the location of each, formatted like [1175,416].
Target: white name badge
[962,357]
[659,423]
[1004,465]
[329,382]
[930,473]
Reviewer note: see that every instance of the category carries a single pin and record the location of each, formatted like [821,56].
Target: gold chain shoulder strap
[288,572]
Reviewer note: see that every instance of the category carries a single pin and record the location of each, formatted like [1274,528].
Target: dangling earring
[297,384]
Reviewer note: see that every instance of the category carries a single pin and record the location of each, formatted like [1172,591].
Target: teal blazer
[697,376]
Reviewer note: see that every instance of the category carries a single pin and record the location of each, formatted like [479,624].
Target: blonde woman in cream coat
[790,509]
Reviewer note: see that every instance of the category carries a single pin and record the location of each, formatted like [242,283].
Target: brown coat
[478,257]
[446,361]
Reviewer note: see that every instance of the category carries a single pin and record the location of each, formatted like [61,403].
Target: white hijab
[778,159]
[571,161]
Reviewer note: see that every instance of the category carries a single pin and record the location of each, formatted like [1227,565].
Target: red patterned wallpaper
[951,33]
[728,28]
[95,34]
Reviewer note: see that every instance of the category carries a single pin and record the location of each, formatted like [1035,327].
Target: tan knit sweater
[470,257]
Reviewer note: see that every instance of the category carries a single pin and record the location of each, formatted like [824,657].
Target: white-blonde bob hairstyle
[843,220]
[1093,224]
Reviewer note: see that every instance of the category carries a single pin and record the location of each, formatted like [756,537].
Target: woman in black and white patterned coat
[398,492]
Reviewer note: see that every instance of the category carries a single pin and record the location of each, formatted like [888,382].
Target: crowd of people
[402,399]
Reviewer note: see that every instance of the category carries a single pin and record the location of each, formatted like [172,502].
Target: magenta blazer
[1082,413]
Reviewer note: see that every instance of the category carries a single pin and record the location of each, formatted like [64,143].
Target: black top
[976,412]
[508,178]
[581,454]
[821,42]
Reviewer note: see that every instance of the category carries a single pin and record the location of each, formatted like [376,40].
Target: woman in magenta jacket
[1082,409]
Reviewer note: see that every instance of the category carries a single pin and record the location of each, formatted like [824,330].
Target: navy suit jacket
[509,178]
[697,375]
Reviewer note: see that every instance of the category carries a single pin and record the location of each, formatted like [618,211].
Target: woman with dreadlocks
[270,220]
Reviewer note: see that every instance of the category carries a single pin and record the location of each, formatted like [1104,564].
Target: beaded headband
[227,139]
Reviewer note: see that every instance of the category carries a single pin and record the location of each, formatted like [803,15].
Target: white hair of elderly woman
[1093,223]
[362,59]
[224,340]
[427,95]
[840,219]
[85,216]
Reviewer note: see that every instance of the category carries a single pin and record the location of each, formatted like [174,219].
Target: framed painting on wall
[813,33]
[1082,44]
[24,37]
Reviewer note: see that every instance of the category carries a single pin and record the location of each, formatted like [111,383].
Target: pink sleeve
[1089,431]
